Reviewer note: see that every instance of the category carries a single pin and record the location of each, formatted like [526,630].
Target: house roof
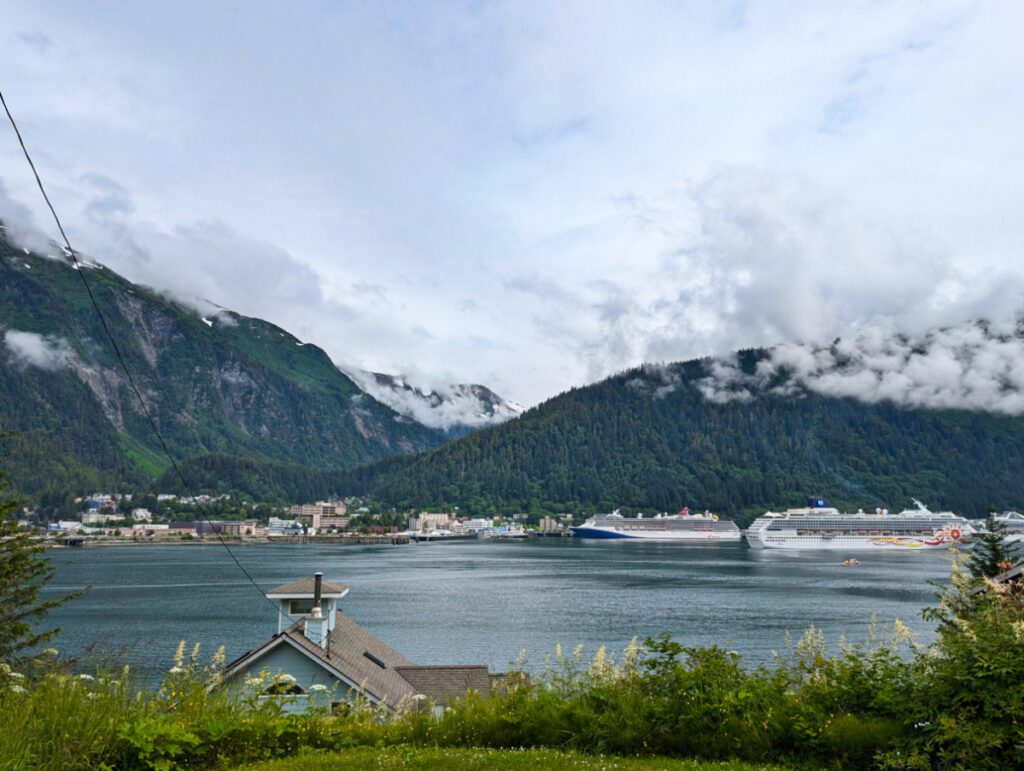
[444,683]
[372,666]
[366,660]
[1013,574]
[305,587]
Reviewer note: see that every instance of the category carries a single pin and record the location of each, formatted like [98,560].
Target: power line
[120,358]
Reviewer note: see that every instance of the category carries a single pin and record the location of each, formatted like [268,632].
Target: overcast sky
[532,196]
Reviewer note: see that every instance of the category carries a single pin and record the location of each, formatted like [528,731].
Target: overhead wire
[121,360]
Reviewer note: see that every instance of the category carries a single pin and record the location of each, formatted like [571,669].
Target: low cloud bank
[437,404]
[975,365]
[34,350]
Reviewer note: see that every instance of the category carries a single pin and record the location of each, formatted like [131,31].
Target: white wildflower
[86,677]
[254,681]
[176,670]
[179,653]
[317,688]
[285,678]
[17,675]
[17,689]
[92,695]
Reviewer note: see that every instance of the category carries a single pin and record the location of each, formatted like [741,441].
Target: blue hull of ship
[588,532]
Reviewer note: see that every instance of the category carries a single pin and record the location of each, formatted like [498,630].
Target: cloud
[34,350]
[973,366]
[734,175]
[435,401]
[20,226]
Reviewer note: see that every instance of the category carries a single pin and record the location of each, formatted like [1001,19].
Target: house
[321,657]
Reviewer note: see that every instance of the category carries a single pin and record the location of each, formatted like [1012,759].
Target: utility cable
[121,361]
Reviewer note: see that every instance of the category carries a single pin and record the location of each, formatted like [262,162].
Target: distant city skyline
[533,196]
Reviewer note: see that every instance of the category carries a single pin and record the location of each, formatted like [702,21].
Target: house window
[300,607]
[282,689]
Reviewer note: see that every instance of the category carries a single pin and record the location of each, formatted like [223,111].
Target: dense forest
[620,444]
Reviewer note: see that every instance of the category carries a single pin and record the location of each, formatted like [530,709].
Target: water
[483,601]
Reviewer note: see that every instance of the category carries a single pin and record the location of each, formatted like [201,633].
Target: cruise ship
[1014,522]
[683,526]
[819,526]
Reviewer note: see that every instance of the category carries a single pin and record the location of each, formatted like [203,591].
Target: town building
[93,518]
[322,515]
[426,521]
[329,659]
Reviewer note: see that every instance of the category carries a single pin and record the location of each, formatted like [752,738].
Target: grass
[459,759]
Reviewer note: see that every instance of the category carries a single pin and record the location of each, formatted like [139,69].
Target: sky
[533,196]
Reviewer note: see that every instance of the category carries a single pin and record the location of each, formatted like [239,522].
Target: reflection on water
[484,601]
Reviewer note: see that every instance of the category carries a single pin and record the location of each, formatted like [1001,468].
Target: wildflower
[176,670]
[179,653]
[195,653]
[16,675]
[285,678]
[218,658]
[92,695]
[254,681]
[86,677]
[50,652]
[419,697]
[317,688]
[17,689]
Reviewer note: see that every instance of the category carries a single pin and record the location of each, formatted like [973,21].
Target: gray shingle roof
[306,586]
[444,683]
[346,651]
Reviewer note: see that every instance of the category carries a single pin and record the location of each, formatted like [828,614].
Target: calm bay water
[483,601]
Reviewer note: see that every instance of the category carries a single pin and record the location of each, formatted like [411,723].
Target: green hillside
[623,443]
[226,384]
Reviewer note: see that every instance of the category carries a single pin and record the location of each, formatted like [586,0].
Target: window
[300,607]
[282,689]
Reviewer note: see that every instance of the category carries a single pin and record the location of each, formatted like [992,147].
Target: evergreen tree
[23,572]
[993,553]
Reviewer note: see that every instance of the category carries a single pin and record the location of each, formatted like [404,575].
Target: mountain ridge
[218,382]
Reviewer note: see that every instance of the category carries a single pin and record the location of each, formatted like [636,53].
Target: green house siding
[286,660]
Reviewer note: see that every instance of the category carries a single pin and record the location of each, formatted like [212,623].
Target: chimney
[316,629]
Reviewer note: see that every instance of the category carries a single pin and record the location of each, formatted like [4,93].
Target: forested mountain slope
[651,439]
[215,383]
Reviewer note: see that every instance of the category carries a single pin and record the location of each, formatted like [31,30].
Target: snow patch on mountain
[456,408]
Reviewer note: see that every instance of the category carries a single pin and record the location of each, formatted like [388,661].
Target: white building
[426,521]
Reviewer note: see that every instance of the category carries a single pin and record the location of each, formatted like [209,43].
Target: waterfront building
[319,657]
[93,518]
[322,515]
[428,521]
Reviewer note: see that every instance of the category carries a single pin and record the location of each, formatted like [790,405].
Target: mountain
[457,409]
[864,423]
[215,383]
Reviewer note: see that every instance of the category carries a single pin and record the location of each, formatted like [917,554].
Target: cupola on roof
[305,587]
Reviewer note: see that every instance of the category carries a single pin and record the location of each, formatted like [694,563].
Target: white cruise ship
[661,527]
[820,526]
[1014,522]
